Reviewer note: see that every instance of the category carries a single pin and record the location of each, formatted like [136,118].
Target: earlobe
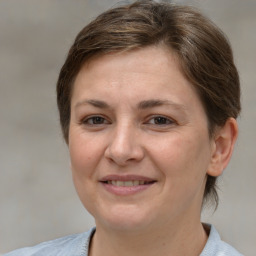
[223,145]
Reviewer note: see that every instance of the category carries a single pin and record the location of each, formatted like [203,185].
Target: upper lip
[126,178]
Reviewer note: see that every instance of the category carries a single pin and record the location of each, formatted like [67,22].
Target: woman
[148,99]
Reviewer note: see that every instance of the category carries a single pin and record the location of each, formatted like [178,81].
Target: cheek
[182,156]
[84,155]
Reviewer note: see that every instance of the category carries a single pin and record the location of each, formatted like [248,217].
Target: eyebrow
[156,103]
[95,103]
[141,105]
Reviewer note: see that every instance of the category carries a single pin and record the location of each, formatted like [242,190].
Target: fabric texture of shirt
[78,245]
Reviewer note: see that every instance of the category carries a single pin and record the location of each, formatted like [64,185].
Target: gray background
[37,198]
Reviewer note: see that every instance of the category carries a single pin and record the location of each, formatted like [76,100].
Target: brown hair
[203,51]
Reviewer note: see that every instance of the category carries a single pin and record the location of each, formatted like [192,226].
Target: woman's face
[138,141]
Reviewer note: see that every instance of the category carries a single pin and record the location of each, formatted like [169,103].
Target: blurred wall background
[37,198]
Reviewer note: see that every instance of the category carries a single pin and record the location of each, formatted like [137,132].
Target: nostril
[123,148]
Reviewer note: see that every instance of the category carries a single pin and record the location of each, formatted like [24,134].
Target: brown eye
[160,120]
[94,120]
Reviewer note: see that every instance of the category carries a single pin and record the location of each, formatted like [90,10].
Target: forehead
[150,69]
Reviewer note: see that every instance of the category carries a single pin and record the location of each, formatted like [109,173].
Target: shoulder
[75,245]
[216,247]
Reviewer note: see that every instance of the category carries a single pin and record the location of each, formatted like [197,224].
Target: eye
[160,120]
[95,120]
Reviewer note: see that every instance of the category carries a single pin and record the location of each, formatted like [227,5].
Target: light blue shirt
[78,245]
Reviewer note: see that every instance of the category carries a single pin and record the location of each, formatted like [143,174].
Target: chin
[124,218]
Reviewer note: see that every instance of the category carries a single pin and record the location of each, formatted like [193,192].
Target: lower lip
[125,191]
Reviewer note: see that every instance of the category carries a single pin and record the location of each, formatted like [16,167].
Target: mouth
[129,183]
[126,184]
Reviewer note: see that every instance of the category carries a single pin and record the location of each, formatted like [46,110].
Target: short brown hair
[204,53]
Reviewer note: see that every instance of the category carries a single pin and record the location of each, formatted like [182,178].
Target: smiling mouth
[130,183]
[126,185]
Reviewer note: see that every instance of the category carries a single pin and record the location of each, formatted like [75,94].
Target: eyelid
[84,120]
[170,120]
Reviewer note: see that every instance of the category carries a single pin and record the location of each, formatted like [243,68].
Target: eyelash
[87,120]
[100,120]
[168,121]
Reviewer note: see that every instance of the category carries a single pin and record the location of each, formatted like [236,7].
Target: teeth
[119,183]
[129,183]
[136,183]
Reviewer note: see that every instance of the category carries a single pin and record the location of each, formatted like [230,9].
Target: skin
[136,114]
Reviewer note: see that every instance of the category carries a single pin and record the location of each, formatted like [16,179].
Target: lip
[126,178]
[126,190]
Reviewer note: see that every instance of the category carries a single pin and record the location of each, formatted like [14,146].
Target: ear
[223,144]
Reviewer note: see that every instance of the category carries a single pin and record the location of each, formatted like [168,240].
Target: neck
[173,241]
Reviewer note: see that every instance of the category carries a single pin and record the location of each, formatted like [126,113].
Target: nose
[124,146]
